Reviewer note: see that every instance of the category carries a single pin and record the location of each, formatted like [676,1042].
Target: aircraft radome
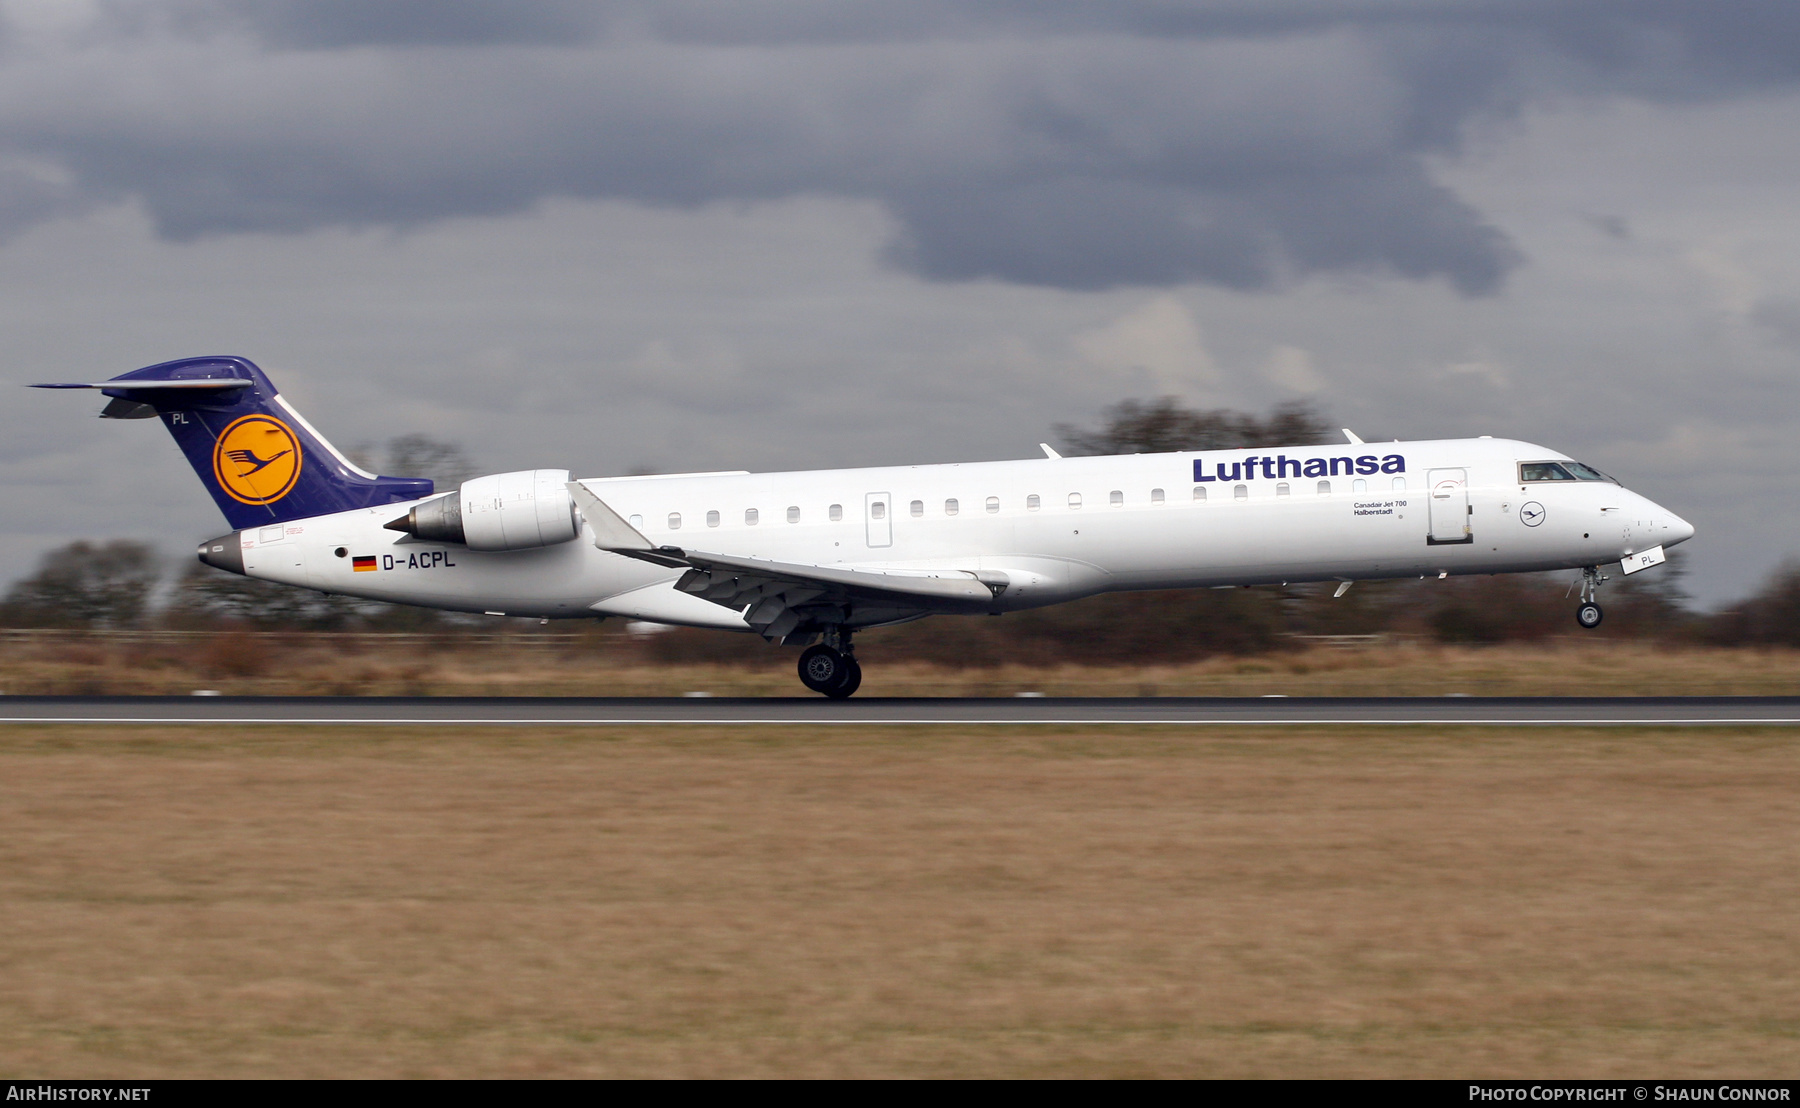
[809,558]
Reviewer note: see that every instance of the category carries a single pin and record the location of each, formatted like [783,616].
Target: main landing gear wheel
[1589,615]
[852,680]
[824,670]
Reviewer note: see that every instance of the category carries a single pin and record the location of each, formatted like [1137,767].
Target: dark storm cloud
[1068,145]
[325,24]
[1745,39]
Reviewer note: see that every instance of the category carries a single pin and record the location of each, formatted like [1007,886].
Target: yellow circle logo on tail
[257,459]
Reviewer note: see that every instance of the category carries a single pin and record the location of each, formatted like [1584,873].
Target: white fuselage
[1057,528]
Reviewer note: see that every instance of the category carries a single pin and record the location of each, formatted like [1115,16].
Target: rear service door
[878,511]
[1449,507]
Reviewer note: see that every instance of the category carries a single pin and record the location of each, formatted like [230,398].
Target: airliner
[809,558]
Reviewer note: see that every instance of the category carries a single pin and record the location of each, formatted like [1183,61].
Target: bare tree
[86,584]
[418,456]
[206,596]
[423,456]
[1165,424]
[1772,616]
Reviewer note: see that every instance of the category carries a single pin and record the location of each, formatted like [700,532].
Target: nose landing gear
[1589,614]
[830,667]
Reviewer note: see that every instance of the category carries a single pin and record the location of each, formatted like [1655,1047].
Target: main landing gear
[1589,614]
[830,667]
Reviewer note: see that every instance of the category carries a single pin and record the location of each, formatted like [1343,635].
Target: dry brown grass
[706,902]
[235,663]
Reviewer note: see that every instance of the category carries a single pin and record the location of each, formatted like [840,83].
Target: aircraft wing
[777,597]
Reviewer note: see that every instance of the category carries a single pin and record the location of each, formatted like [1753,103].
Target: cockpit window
[1585,473]
[1544,471]
[1559,471]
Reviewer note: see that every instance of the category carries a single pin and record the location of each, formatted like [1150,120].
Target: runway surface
[1189,711]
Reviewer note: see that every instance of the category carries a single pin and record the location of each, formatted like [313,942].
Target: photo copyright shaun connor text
[1650,1093]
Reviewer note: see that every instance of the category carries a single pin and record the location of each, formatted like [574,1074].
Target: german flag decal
[364,563]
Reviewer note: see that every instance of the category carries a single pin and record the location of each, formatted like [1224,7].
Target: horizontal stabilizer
[122,385]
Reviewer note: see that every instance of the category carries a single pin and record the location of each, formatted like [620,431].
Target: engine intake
[503,511]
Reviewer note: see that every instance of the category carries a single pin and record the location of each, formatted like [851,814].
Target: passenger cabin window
[836,512]
[1075,501]
[750,517]
[1116,498]
[793,513]
[712,519]
[674,521]
[1282,489]
[950,506]
[1032,503]
[917,508]
[1156,496]
[1359,485]
[1324,488]
[993,504]
[1399,482]
[878,510]
[637,521]
[1199,493]
[1240,492]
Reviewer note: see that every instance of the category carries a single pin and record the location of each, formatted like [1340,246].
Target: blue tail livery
[262,462]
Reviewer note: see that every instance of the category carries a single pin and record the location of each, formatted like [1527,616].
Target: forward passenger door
[1449,510]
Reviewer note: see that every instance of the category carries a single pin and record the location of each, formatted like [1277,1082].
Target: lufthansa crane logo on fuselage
[257,459]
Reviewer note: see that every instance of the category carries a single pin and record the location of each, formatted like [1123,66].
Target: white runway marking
[322,721]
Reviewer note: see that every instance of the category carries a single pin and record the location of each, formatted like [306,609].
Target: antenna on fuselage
[1355,439]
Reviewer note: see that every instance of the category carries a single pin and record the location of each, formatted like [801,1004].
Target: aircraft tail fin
[260,459]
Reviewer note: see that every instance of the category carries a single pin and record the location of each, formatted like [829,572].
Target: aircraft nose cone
[1676,529]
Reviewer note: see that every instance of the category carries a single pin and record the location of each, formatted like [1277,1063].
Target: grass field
[320,664]
[737,902]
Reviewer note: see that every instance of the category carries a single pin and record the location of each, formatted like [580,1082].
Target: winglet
[610,532]
[1355,439]
[1049,453]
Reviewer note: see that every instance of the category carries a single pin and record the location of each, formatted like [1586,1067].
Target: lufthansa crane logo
[257,459]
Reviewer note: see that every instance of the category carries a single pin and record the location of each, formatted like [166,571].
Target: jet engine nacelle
[502,511]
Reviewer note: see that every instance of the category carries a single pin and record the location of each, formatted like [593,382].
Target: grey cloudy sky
[773,233]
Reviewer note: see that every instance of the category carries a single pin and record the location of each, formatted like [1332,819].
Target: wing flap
[730,577]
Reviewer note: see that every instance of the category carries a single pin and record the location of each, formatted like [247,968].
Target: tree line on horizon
[122,584]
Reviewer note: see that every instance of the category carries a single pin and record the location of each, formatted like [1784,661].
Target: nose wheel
[832,672]
[1588,614]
